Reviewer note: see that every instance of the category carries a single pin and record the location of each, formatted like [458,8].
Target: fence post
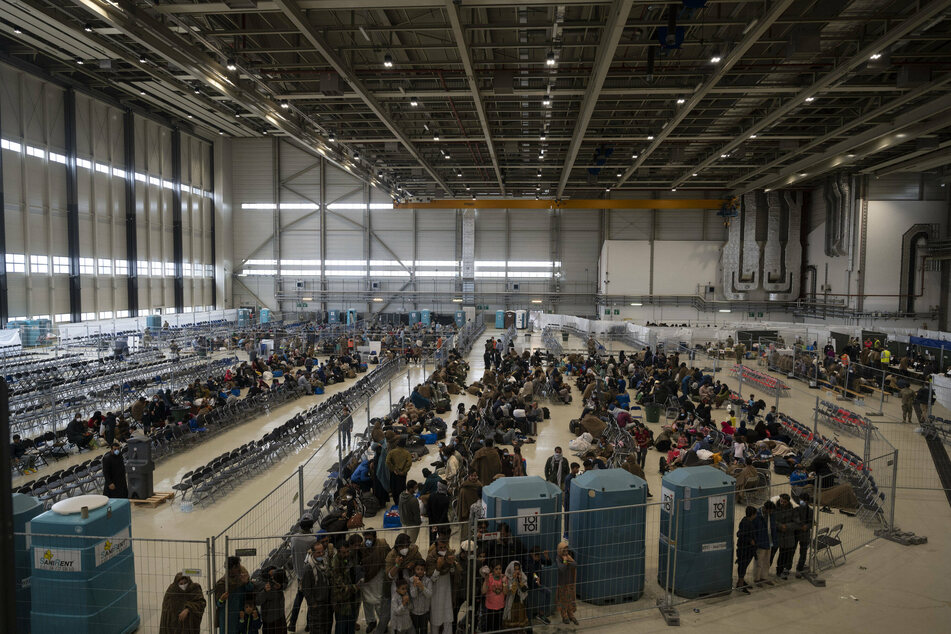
[815,418]
[210,581]
[667,603]
[867,448]
[812,575]
[472,598]
[227,550]
[891,502]
[930,395]
[300,489]
[389,395]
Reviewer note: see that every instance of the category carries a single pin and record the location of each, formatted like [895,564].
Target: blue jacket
[420,401]
[362,472]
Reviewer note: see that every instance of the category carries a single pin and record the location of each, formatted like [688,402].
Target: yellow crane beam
[578,203]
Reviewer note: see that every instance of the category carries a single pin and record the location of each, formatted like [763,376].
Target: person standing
[642,437]
[907,403]
[410,516]
[375,590]
[346,589]
[183,607]
[421,595]
[231,591]
[487,462]
[445,571]
[398,462]
[271,599]
[786,523]
[556,468]
[438,510]
[567,571]
[301,545]
[345,427]
[764,537]
[113,473]
[804,521]
[317,585]
[493,589]
[470,492]
[745,548]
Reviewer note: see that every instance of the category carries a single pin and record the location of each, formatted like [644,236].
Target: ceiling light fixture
[435,136]
[17,30]
[142,92]
[79,61]
[231,65]
[332,137]
[413,101]
[633,156]
[618,174]
[542,137]
[752,136]
[190,117]
[810,99]
[550,59]
[635,303]
[673,189]
[876,56]
[541,157]
[536,301]
[715,59]
[850,155]
[285,104]
[607,189]
[447,156]
[377,299]
[197,90]
[388,60]
[457,300]
[803,174]
[650,137]
[681,101]
[221,132]
[87,28]
[694,174]
[546,101]
[724,155]
[725,310]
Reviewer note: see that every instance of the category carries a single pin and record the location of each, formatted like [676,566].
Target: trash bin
[652,412]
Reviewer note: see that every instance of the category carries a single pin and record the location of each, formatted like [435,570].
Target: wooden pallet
[155,500]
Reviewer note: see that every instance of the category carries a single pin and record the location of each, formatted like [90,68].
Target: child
[248,620]
[565,596]
[421,594]
[400,607]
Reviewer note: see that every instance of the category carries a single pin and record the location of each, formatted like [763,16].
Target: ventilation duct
[782,253]
[750,256]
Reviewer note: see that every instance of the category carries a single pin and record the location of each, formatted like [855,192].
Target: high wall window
[16,263]
[39,264]
[60,265]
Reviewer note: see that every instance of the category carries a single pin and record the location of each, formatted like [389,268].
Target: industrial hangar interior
[604,313]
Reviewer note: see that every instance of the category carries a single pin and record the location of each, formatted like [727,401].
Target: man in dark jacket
[113,473]
[437,508]
[786,520]
[376,587]
[318,590]
[804,522]
[78,433]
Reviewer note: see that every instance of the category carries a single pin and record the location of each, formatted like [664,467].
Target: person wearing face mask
[401,561]
[318,588]
[113,473]
[183,607]
[786,520]
[409,511]
[375,591]
[556,468]
[445,570]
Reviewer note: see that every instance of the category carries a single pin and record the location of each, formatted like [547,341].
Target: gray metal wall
[34,172]
[356,251]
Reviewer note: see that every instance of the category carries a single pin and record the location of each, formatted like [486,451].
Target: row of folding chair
[76,480]
[935,427]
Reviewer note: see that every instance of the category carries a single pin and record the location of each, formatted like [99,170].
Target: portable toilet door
[425,317]
[509,319]
[333,316]
[521,319]
[413,317]
[351,316]
[460,318]
[265,315]
[500,319]
[703,499]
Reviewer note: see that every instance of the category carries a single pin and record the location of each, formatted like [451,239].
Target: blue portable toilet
[154,322]
[425,317]
[500,319]
[703,498]
[244,318]
[413,317]
[25,508]
[83,579]
[608,534]
[333,316]
[265,315]
[460,318]
[351,316]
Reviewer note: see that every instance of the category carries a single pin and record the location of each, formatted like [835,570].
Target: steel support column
[131,237]
[211,227]
[179,281]
[72,206]
[4,306]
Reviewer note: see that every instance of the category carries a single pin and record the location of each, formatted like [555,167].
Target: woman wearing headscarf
[515,614]
[182,607]
[567,571]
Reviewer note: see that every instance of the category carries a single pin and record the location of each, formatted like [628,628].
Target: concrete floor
[882,587]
